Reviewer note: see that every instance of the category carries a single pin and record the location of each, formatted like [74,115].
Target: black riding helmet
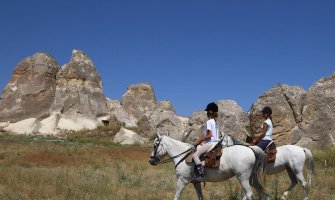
[212,107]
[267,110]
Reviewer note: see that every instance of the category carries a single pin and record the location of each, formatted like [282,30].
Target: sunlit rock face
[58,98]
[31,90]
[44,98]
[139,100]
[231,120]
[152,116]
[318,114]
[304,118]
[79,93]
[285,102]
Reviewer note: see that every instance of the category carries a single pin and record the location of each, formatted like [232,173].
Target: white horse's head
[227,140]
[158,152]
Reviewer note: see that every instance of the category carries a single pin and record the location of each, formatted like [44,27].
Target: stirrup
[198,178]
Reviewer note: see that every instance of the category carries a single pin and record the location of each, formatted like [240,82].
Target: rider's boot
[200,173]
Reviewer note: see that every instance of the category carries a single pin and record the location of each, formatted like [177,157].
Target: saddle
[271,151]
[212,156]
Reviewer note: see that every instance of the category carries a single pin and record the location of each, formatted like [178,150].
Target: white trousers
[201,149]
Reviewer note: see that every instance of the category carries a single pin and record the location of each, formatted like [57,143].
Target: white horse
[246,163]
[291,158]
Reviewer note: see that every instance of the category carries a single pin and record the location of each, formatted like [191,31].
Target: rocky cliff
[304,118]
[44,98]
[32,86]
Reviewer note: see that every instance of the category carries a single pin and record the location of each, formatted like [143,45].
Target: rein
[176,156]
[173,157]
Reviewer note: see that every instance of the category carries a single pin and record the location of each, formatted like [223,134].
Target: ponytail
[212,114]
[271,121]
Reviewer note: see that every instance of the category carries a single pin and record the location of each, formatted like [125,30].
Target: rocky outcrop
[139,100]
[195,128]
[43,98]
[118,113]
[48,126]
[285,102]
[304,118]
[165,121]
[26,126]
[31,90]
[79,95]
[152,116]
[318,114]
[125,136]
[69,98]
[232,120]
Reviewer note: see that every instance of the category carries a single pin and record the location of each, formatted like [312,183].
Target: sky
[191,52]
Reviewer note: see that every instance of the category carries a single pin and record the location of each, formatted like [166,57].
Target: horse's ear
[158,135]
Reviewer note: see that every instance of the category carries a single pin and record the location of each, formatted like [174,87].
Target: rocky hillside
[44,98]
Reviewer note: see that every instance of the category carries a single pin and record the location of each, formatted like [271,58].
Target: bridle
[225,139]
[156,158]
[155,150]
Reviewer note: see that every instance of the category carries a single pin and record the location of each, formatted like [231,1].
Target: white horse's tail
[260,160]
[258,169]
[310,166]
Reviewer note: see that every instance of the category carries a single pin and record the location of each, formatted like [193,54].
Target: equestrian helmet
[267,110]
[212,107]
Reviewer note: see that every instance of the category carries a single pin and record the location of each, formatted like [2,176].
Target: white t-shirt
[268,134]
[211,125]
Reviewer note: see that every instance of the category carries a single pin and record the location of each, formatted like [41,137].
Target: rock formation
[231,120]
[53,98]
[125,136]
[31,90]
[152,117]
[318,114]
[139,100]
[304,118]
[79,96]
[44,98]
[118,113]
[285,102]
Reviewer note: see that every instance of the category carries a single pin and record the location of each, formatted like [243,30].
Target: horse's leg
[303,183]
[246,189]
[181,183]
[294,182]
[197,187]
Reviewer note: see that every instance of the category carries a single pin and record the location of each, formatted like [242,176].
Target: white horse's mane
[178,142]
[236,141]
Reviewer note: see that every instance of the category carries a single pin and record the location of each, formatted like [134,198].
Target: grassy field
[35,167]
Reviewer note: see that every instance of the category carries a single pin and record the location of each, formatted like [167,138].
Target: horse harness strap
[181,160]
[176,156]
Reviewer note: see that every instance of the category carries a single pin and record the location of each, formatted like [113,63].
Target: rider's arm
[257,139]
[204,138]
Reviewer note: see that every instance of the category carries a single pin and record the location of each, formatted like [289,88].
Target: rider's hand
[254,141]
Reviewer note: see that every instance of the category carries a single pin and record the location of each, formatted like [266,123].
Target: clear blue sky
[192,52]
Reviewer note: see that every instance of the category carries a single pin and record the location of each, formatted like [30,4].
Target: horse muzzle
[153,160]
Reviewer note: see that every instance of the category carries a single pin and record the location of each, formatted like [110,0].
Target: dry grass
[47,168]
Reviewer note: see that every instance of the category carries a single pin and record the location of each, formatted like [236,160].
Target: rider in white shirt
[210,136]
